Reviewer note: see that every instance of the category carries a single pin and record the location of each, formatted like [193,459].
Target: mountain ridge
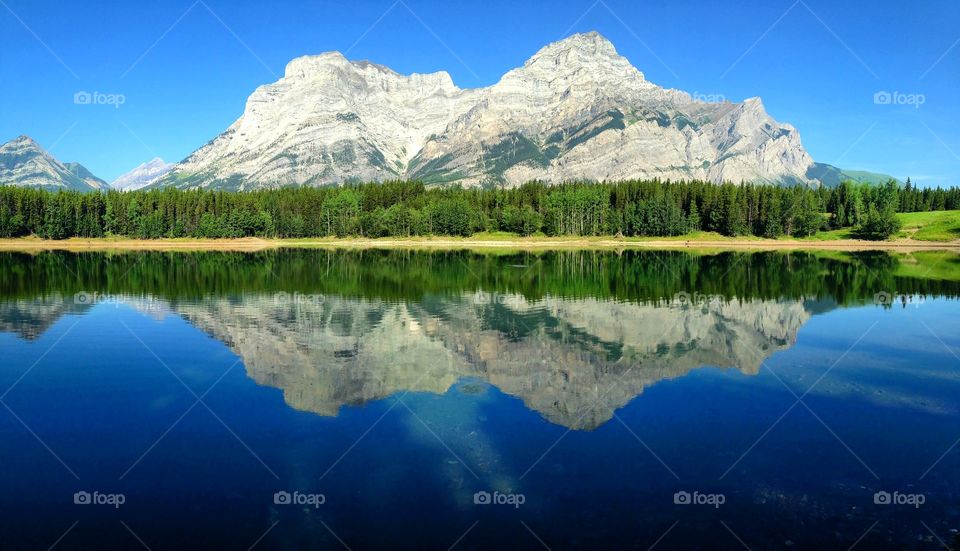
[25,163]
[576,109]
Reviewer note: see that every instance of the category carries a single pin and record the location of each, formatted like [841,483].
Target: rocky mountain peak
[589,53]
[22,145]
[24,162]
[332,69]
[584,46]
[310,65]
[576,110]
[23,140]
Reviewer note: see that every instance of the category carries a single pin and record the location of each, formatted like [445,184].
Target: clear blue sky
[186,69]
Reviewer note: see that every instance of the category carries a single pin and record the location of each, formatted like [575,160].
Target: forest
[404,209]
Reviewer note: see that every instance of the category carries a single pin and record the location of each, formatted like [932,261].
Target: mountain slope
[24,163]
[81,172]
[142,176]
[575,110]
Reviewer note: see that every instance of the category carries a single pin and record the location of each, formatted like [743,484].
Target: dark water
[596,400]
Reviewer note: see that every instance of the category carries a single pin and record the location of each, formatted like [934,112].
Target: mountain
[142,176]
[24,163]
[575,110]
[81,172]
[832,176]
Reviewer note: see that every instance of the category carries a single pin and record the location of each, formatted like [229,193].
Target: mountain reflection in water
[572,360]
[574,335]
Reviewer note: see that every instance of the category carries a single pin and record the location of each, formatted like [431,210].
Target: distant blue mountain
[832,176]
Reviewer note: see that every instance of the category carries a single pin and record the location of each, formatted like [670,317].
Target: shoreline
[252,244]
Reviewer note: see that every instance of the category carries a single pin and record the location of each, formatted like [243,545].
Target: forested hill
[402,209]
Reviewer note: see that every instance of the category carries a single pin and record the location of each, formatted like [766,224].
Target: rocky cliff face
[24,163]
[575,110]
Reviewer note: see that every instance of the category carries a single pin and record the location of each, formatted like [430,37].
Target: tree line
[404,209]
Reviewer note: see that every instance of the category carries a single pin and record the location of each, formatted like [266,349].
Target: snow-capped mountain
[575,110]
[23,162]
[142,176]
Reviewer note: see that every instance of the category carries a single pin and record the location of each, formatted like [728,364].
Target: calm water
[401,400]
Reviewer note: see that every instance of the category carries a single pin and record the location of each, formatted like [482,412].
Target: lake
[299,399]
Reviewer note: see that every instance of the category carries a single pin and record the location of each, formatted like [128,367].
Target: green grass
[942,225]
[832,235]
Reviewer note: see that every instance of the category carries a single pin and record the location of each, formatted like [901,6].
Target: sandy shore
[534,243]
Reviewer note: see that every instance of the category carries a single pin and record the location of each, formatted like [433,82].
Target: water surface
[597,400]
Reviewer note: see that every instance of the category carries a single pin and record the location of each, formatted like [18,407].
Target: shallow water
[433,400]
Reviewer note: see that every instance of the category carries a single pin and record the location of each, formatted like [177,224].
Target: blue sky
[185,68]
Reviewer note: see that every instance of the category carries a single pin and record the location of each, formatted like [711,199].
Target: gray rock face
[575,110]
[24,163]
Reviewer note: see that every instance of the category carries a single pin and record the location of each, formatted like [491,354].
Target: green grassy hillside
[942,225]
